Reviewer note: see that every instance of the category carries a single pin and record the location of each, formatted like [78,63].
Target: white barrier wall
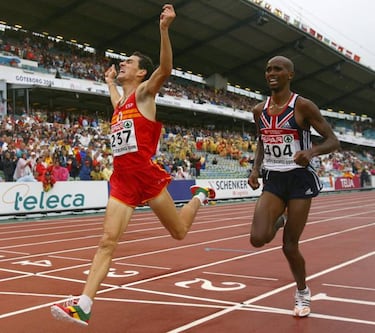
[231,188]
[28,198]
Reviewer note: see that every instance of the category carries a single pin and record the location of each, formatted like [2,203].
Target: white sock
[304,291]
[201,196]
[85,303]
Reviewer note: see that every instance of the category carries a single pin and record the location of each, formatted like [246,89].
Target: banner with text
[27,198]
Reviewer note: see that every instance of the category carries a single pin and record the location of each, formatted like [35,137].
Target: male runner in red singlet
[284,150]
[136,179]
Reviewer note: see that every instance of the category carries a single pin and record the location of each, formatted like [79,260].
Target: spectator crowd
[56,146]
[32,149]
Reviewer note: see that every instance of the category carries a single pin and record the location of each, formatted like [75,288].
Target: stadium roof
[233,38]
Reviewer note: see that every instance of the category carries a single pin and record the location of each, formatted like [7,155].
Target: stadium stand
[71,138]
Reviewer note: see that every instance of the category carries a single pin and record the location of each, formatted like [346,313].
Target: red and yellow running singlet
[134,138]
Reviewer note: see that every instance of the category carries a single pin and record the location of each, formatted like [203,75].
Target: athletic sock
[85,303]
[202,197]
[303,291]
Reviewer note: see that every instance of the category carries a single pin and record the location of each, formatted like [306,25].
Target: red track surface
[213,281]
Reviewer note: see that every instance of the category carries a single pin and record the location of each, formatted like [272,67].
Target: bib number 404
[278,150]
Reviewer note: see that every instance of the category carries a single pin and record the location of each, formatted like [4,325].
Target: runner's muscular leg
[178,223]
[298,210]
[116,219]
[268,208]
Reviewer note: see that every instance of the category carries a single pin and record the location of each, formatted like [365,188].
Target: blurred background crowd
[50,146]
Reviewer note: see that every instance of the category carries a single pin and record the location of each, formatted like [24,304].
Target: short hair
[146,63]
[288,63]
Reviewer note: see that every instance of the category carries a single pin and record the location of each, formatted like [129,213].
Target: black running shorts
[300,183]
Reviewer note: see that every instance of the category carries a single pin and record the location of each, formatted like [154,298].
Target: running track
[213,281]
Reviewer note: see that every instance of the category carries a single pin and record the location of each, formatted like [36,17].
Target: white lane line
[347,287]
[252,308]
[195,268]
[70,258]
[190,269]
[143,266]
[120,243]
[243,276]
[267,294]
[325,297]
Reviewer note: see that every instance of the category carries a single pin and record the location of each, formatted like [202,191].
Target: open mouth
[273,80]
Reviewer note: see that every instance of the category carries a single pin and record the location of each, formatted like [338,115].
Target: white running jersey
[282,137]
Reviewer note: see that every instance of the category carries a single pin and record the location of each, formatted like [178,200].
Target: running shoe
[70,312]
[208,192]
[280,222]
[302,303]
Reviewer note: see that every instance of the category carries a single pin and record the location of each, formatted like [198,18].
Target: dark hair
[146,63]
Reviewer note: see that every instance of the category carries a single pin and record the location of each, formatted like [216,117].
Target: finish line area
[213,280]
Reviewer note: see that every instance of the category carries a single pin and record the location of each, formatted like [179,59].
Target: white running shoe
[302,303]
